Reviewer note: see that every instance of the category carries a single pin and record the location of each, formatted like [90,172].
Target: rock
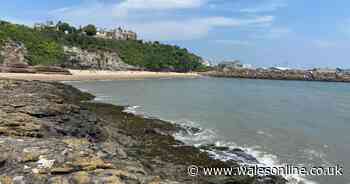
[81,178]
[155,180]
[6,69]
[13,55]
[65,169]
[94,60]
[30,157]
[6,180]
[76,143]
[19,124]
[51,70]
[45,163]
[3,159]
[111,180]
[18,180]
[58,180]
[276,74]
[89,164]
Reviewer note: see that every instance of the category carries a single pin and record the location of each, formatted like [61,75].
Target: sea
[295,123]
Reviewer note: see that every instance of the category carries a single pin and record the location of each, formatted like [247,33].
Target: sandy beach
[82,75]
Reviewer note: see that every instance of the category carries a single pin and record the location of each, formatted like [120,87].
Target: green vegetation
[65,27]
[90,30]
[41,50]
[45,47]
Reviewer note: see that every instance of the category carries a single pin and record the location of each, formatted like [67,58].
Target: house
[116,34]
[46,25]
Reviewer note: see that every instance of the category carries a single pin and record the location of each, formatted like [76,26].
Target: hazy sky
[295,33]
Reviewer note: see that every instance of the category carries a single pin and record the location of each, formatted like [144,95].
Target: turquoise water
[304,123]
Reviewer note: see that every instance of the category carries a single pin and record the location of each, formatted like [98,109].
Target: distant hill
[45,47]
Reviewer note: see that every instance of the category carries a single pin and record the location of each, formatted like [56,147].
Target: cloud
[160,4]
[99,8]
[192,29]
[268,6]
[153,20]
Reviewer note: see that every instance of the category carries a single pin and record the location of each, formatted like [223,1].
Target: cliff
[49,133]
[77,58]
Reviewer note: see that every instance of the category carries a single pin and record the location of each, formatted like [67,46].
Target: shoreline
[94,142]
[89,75]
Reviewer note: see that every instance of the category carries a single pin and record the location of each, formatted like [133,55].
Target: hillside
[45,47]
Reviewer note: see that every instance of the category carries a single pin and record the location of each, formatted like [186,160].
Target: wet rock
[48,135]
[51,70]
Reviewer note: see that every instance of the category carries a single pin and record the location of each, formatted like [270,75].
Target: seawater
[279,122]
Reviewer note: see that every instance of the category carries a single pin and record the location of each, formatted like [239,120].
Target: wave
[208,140]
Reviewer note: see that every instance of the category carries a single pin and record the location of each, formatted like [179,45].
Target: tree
[90,30]
[63,27]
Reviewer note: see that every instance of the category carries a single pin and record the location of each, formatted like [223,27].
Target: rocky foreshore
[53,133]
[301,75]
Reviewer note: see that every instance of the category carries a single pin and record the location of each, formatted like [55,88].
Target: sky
[286,33]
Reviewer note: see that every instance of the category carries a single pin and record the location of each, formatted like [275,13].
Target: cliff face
[13,58]
[95,60]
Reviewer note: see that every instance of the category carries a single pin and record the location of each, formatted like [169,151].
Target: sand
[86,75]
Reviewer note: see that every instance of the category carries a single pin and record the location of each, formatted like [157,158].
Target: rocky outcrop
[51,70]
[49,133]
[13,60]
[94,60]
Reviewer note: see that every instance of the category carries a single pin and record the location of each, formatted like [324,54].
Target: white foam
[208,136]
[102,98]
[265,159]
[260,132]
[134,110]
